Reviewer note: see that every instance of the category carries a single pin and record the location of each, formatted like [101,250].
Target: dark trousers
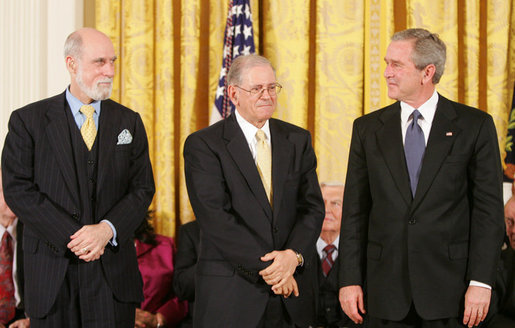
[413,320]
[275,315]
[86,301]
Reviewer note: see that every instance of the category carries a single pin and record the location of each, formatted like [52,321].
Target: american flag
[238,40]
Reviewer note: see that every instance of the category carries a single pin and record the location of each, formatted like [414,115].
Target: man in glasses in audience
[253,186]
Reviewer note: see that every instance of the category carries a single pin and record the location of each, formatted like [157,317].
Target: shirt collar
[427,109]
[321,244]
[76,104]
[10,229]
[250,130]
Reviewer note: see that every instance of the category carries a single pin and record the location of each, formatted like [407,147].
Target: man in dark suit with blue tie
[422,213]
[77,173]
[253,186]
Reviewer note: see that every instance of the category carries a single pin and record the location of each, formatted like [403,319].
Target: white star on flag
[247,31]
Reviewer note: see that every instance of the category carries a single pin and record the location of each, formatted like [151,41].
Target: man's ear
[233,95]
[71,64]
[429,72]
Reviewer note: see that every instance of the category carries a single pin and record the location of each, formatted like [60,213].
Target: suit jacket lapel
[282,151]
[58,134]
[389,139]
[240,153]
[441,138]
[107,139]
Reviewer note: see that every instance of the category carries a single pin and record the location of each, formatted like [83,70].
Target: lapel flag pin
[448,134]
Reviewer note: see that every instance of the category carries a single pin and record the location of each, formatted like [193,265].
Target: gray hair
[428,49]
[241,64]
[73,45]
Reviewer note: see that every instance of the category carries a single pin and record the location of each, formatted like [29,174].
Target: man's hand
[21,323]
[283,267]
[88,242]
[289,287]
[477,303]
[145,319]
[351,301]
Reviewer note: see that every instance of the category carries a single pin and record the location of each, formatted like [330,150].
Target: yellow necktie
[264,162]
[88,129]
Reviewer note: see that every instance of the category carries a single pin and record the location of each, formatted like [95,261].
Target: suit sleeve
[23,196]
[310,209]
[186,262]
[356,208]
[127,213]
[486,215]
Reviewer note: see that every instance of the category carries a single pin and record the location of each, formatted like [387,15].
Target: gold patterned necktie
[88,129]
[264,162]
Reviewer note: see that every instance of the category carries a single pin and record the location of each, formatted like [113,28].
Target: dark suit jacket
[185,265]
[423,250]
[40,186]
[238,225]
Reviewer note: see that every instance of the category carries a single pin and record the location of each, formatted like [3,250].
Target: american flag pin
[448,134]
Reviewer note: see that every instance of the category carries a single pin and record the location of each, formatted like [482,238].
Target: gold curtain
[329,58]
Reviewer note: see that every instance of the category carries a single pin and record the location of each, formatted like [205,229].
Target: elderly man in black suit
[77,173]
[423,212]
[253,186]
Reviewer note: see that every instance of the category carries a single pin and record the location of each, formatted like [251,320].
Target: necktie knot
[329,249]
[260,136]
[87,110]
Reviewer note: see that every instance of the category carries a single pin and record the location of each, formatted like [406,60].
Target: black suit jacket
[238,225]
[40,186]
[188,245]
[423,250]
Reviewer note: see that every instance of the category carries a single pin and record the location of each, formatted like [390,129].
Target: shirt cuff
[113,240]
[479,284]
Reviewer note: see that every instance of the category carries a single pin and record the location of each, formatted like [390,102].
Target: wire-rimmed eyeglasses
[272,89]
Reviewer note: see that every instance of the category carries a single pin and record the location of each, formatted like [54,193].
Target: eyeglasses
[273,89]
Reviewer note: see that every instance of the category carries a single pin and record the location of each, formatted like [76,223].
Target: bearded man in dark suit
[77,173]
[253,186]
[422,213]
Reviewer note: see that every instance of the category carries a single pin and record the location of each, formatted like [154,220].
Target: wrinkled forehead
[261,74]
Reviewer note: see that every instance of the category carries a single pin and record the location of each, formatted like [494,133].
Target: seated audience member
[161,308]
[505,286]
[329,312]
[11,268]
[185,264]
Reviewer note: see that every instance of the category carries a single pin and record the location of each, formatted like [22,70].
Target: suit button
[412,221]
[75,216]
[276,230]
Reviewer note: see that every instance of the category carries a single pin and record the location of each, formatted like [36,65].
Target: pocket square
[124,137]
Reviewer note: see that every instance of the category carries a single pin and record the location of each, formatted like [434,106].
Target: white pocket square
[124,137]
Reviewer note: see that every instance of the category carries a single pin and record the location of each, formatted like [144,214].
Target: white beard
[97,91]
